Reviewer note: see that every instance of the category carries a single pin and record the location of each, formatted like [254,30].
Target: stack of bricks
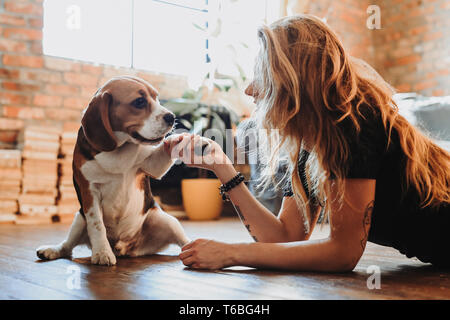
[10,177]
[40,175]
[67,202]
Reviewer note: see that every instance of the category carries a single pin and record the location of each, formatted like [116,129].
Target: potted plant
[199,187]
[209,107]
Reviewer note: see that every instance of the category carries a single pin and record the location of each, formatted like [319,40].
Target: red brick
[348,17]
[91,69]
[419,12]
[419,30]
[23,112]
[88,92]
[400,52]
[43,100]
[71,126]
[61,64]
[430,75]
[9,45]
[102,81]
[19,86]
[25,7]
[12,20]
[36,22]
[406,87]
[424,85]
[396,35]
[11,124]
[432,36]
[9,73]
[388,63]
[42,76]
[445,5]
[408,60]
[13,98]
[8,136]
[22,34]
[36,47]
[395,18]
[110,72]
[23,61]
[154,78]
[63,114]
[61,89]
[75,103]
[80,78]
[438,92]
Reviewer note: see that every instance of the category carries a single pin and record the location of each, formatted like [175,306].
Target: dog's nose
[169,118]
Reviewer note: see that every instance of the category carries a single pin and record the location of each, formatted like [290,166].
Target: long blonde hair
[307,84]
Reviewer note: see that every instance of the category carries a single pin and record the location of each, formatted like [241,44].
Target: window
[89,30]
[173,36]
[165,37]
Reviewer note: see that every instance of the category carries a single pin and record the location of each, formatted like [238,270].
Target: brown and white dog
[118,148]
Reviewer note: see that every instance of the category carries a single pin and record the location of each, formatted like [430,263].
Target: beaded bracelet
[224,188]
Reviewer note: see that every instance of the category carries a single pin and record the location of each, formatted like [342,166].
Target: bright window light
[156,35]
[166,39]
[237,43]
[90,30]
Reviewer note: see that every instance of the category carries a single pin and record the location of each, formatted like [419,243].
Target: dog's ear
[96,124]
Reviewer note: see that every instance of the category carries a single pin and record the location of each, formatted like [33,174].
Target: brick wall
[38,89]
[412,48]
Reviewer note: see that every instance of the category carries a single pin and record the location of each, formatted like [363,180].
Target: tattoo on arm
[238,210]
[366,222]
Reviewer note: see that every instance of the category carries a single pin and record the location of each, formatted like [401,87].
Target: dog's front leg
[64,249]
[101,250]
[158,163]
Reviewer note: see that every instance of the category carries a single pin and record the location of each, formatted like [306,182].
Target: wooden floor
[163,276]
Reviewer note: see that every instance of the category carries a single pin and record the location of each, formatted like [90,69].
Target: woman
[352,157]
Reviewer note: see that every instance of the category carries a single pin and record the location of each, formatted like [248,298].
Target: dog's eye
[139,103]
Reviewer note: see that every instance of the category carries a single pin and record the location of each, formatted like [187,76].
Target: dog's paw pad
[103,257]
[49,252]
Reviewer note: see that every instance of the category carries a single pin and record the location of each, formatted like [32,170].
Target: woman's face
[251,91]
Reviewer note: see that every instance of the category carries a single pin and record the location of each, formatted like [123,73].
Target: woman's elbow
[345,266]
[344,259]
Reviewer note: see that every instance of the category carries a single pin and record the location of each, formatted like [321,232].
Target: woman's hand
[195,151]
[207,254]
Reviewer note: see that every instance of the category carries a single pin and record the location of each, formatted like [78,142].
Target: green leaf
[199,27]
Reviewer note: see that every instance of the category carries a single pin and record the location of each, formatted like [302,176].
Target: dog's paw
[104,257]
[121,248]
[50,252]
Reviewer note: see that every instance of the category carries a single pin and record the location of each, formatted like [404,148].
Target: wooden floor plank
[17,289]
[163,276]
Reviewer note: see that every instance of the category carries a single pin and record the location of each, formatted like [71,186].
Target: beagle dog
[119,146]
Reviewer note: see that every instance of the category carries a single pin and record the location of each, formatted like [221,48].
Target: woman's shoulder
[371,128]
[368,145]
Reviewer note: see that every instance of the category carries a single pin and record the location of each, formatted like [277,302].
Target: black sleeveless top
[398,221]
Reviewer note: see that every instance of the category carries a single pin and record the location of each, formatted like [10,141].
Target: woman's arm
[262,224]
[340,252]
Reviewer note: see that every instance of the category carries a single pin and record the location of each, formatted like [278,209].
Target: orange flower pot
[201,198]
